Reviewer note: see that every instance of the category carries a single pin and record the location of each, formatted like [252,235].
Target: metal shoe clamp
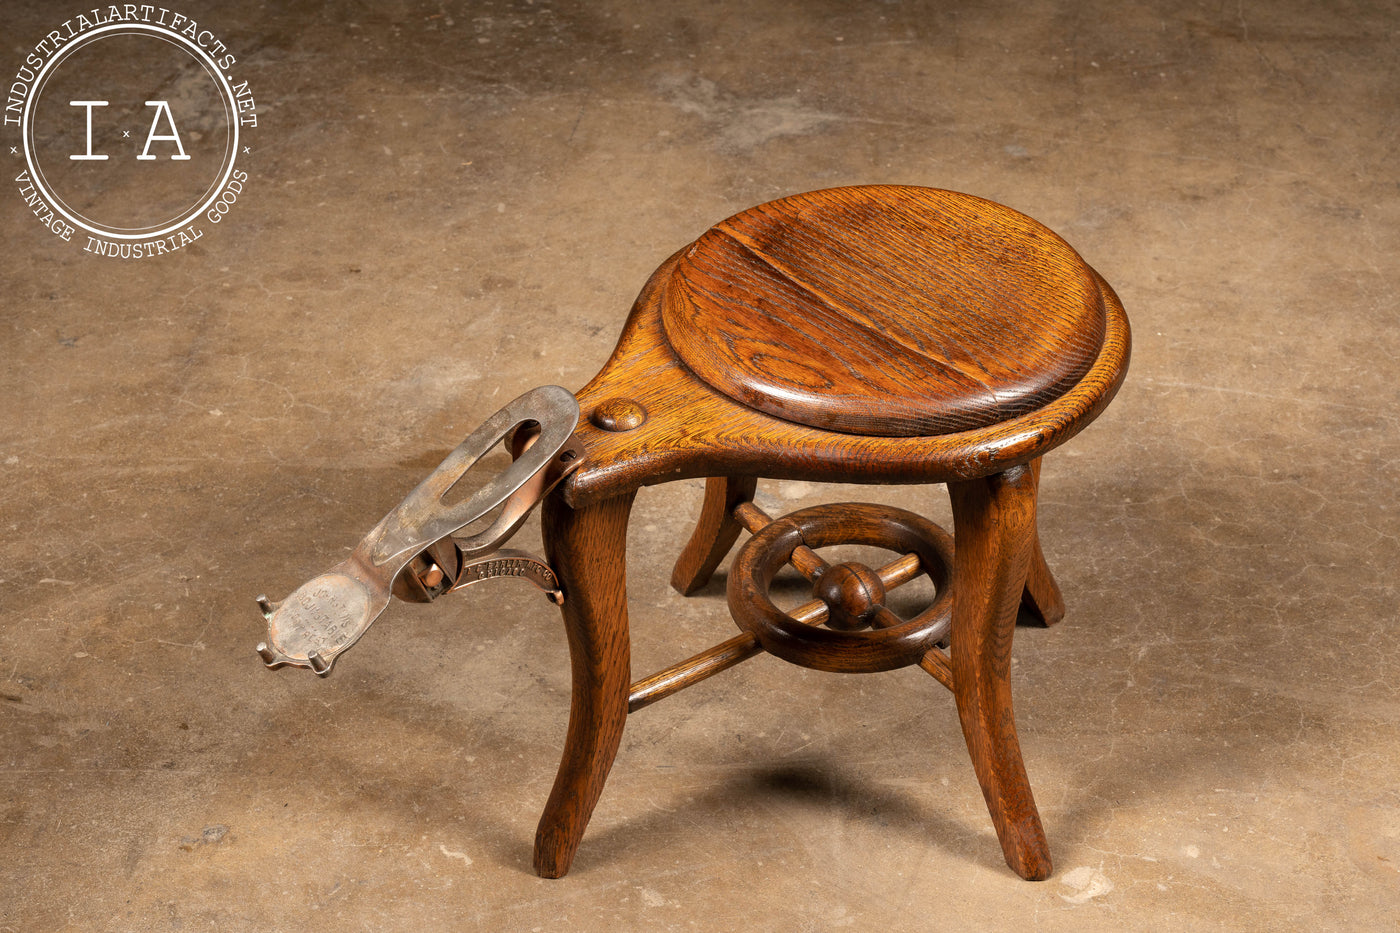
[412,553]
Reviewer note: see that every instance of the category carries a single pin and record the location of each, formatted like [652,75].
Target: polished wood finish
[692,670]
[937,665]
[716,530]
[881,335]
[587,549]
[618,414]
[893,642]
[867,310]
[993,518]
[694,431]
[853,595]
[803,559]
[741,647]
[1042,596]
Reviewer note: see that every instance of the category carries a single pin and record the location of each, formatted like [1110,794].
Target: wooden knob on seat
[619,415]
[853,594]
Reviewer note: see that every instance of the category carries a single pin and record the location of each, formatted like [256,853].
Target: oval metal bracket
[329,613]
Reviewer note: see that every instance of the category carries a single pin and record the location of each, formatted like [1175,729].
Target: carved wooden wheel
[860,634]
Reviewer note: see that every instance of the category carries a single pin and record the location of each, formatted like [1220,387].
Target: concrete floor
[448,205]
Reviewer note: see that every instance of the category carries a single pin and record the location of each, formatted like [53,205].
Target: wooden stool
[870,334]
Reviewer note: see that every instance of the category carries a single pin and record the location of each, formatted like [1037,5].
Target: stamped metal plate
[329,613]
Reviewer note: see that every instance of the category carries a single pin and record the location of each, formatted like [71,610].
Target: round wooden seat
[885,310]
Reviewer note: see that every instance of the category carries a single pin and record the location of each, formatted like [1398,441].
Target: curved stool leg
[716,530]
[1042,594]
[994,525]
[587,549]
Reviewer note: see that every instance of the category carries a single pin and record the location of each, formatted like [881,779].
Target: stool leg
[716,530]
[1042,594]
[587,549]
[994,524]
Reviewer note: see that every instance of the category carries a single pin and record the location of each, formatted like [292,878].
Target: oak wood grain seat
[885,311]
[877,334]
